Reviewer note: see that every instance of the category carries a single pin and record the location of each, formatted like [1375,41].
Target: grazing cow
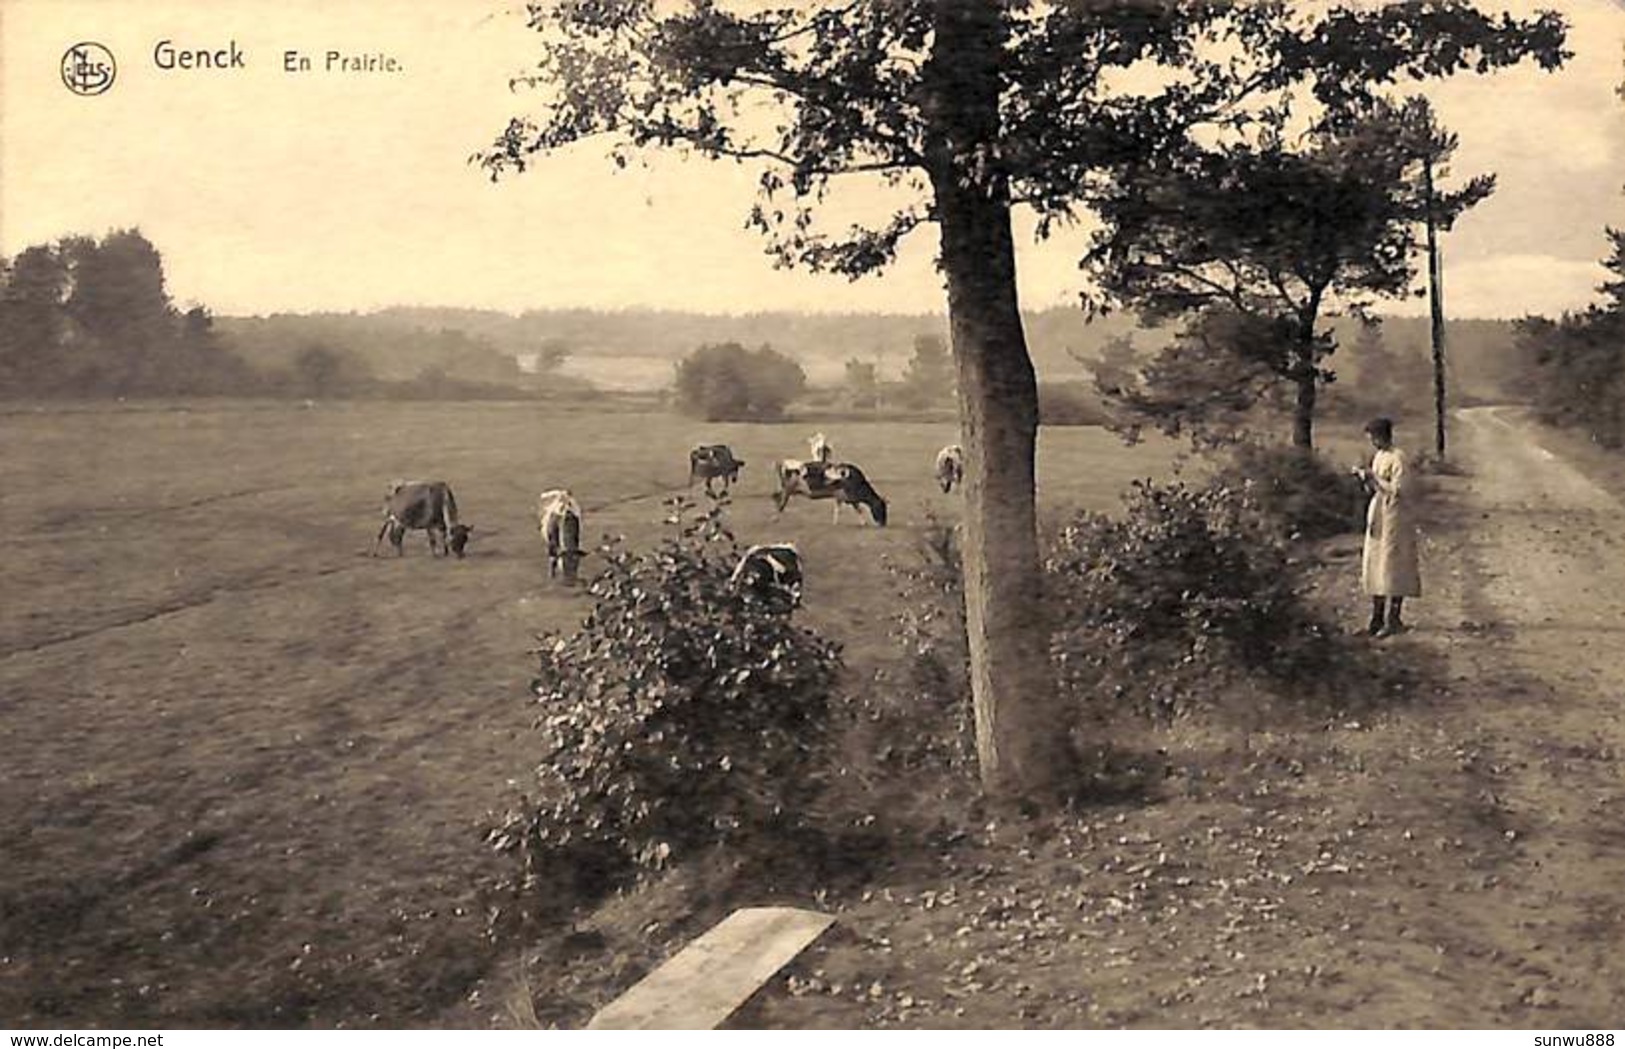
[950,467]
[428,505]
[711,461]
[771,569]
[841,482]
[558,518]
[821,451]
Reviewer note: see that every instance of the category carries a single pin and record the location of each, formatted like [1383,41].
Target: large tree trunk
[1020,737]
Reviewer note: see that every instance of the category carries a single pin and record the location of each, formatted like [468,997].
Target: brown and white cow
[842,482]
[558,518]
[426,505]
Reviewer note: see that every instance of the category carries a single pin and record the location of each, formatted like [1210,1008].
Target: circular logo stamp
[88,68]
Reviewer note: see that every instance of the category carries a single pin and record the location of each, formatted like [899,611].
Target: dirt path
[1544,589]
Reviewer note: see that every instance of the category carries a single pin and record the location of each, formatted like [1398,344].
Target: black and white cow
[771,569]
[842,482]
[712,461]
[558,518]
[818,444]
[950,467]
[428,505]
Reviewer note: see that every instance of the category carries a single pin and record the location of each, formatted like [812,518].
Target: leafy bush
[1189,584]
[725,381]
[1307,497]
[683,713]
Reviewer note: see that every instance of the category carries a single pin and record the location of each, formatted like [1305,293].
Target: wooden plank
[704,983]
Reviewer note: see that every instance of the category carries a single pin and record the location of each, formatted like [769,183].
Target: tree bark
[1021,741]
[1303,415]
[1306,372]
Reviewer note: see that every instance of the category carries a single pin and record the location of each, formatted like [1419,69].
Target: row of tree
[725,381]
[927,380]
[1578,361]
[92,317]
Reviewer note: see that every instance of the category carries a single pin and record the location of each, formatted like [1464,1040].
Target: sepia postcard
[792,514]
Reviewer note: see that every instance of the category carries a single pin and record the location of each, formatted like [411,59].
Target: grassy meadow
[247,764]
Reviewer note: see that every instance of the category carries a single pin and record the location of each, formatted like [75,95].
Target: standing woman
[1389,570]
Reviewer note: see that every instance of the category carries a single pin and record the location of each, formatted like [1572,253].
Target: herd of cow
[430,506]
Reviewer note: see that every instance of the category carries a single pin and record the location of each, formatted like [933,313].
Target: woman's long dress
[1389,565]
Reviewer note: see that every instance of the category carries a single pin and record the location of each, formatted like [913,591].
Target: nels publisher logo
[88,68]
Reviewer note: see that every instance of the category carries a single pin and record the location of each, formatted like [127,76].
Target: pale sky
[269,191]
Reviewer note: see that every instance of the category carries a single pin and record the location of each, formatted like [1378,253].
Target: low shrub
[1186,586]
[1304,495]
[725,381]
[685,712]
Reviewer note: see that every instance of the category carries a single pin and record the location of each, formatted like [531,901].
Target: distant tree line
[385,348]
[88,317]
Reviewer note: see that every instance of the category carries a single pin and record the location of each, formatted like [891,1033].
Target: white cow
[950,467]
[558,518]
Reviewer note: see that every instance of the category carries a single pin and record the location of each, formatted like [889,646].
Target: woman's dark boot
[1375,627]
[1395,624]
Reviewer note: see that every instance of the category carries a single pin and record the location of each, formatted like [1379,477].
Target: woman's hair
[1381,427]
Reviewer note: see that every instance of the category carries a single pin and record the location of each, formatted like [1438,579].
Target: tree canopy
[821,91]
[1278,230]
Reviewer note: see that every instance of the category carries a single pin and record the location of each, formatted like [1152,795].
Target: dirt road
[1542,555]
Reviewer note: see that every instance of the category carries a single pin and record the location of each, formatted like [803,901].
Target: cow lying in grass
[772,570]
[558,518]
[843,483]
[426,505]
